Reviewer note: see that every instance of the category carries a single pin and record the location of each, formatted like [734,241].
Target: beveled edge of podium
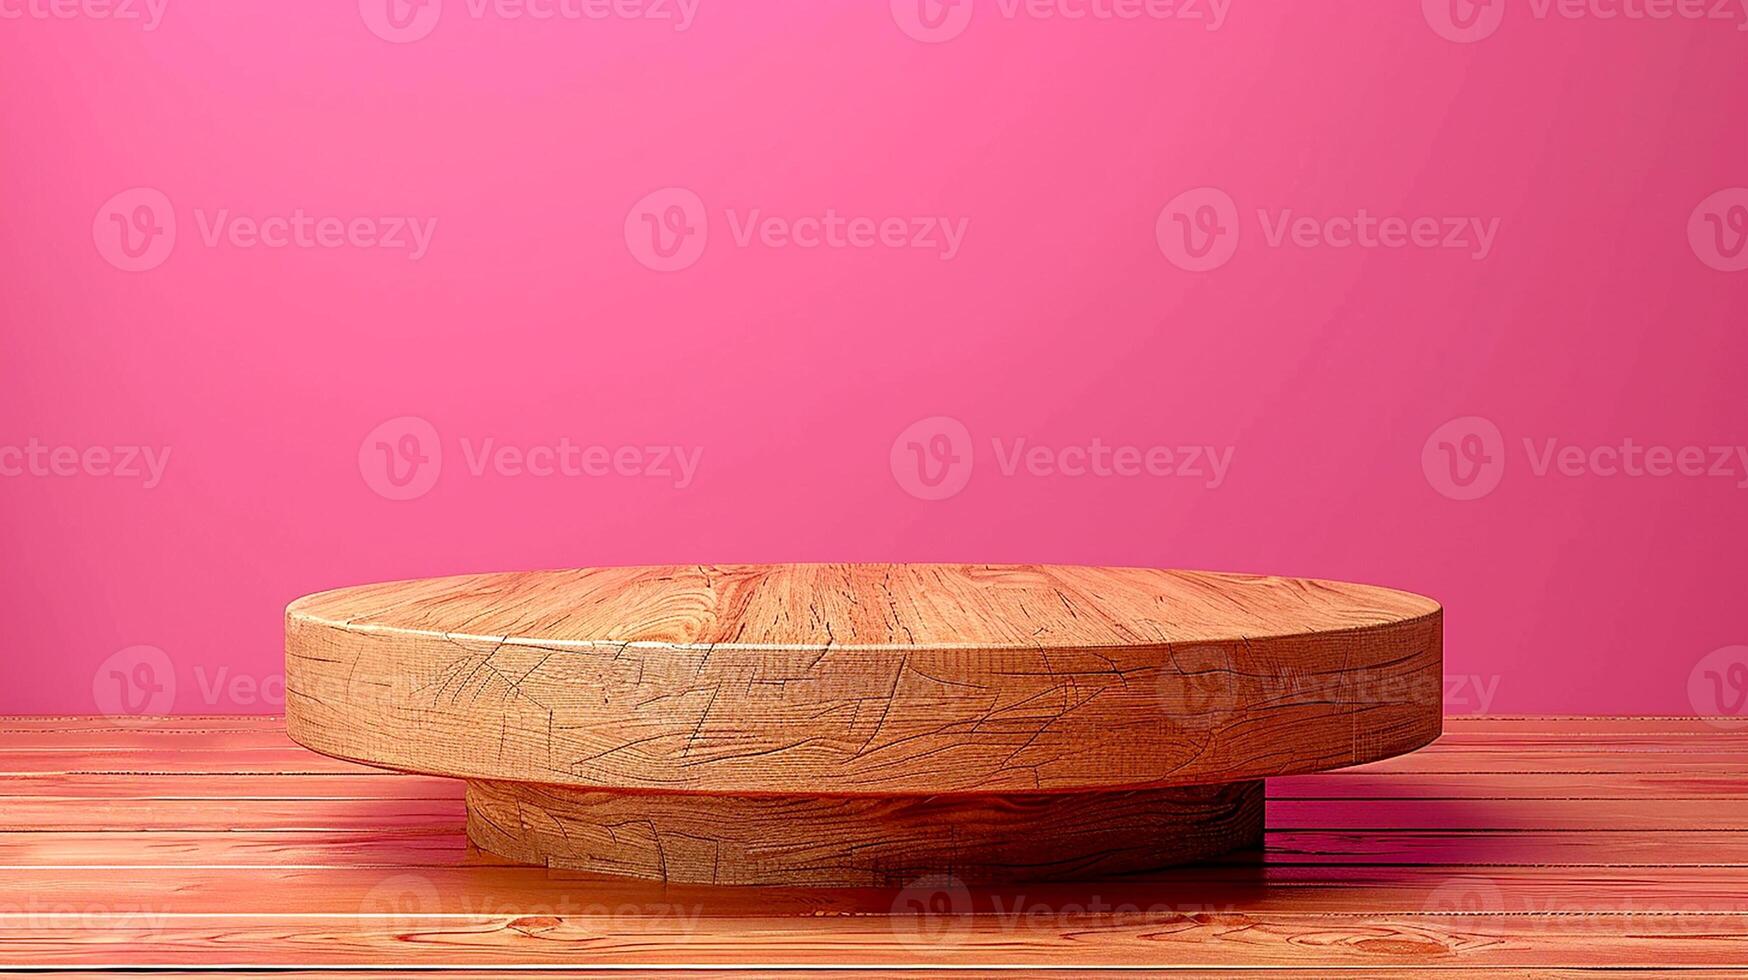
[857,720]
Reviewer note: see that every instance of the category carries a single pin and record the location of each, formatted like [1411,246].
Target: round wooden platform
[851,724]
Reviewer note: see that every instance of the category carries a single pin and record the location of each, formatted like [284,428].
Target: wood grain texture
[327,876]
[847,841]
[850,679]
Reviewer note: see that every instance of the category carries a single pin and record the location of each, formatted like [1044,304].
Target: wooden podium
[863,724]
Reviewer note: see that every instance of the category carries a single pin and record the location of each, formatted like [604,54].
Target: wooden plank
[229,786]
[1583,726]
[415,848]
[72,725]
[901,973]
[1346,784]
[1562,759]
[1369,784]
[1490,942]
[294,812]
[1698,813]
[1671,758]
[1485,848]
[275,892]
[1631,855]
[287,759]
[135,815]
[408,848]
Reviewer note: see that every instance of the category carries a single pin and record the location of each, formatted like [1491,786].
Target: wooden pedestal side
[863,724]
[861,840]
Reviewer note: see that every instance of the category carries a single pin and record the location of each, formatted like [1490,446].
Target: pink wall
[1594,293]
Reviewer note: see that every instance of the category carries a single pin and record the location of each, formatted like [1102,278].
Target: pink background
[1061,319]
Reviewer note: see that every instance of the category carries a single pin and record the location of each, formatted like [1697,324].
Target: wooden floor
[1525,846]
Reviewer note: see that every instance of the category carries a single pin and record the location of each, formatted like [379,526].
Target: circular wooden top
[863,678]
